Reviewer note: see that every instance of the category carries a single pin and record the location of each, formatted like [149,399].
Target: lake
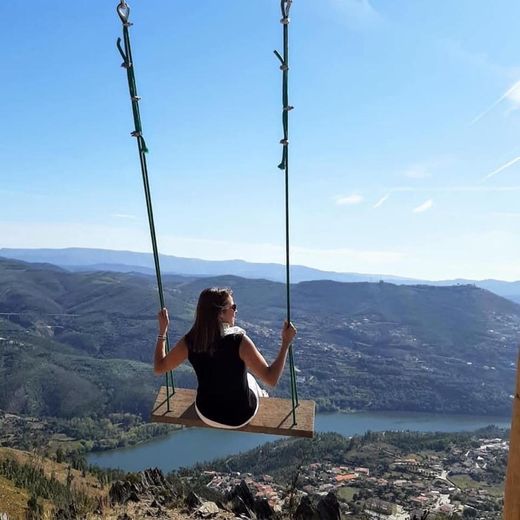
[191,445]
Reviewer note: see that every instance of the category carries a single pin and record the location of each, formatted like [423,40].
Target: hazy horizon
[367,274]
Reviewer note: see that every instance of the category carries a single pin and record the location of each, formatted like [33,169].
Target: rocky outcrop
[327,508]
[208,510]
[149,493]
[193,500]
[306,510]
[149,484]
[242,503]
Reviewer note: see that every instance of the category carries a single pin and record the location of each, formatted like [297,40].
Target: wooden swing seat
[274,415]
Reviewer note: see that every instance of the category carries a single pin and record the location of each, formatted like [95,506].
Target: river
[191,445]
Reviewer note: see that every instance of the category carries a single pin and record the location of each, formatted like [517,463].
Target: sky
[404,140]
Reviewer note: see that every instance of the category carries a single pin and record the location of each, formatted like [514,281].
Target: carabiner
[123,10]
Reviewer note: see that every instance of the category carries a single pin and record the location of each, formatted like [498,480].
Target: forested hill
[360,345]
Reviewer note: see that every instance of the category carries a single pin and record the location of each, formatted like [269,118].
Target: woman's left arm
[165,362]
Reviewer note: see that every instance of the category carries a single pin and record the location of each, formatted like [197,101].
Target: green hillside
[74,343]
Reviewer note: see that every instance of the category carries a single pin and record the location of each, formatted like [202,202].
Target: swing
[177,406]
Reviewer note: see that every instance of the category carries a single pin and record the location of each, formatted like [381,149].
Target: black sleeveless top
[223,394]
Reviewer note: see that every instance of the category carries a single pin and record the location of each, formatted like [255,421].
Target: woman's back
[223,393]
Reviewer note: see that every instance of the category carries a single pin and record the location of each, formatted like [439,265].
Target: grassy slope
[12,500]
[88,484]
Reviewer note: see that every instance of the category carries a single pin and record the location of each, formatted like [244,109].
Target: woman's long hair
[207,327]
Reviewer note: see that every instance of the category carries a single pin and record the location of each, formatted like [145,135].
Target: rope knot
[285,21]
[285,142]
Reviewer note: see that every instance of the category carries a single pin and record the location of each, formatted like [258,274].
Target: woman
[221,354]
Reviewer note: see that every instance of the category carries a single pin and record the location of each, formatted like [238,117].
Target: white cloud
[425,206]
[502,168]
[481,61]
[417,172]
[381,201]
[349,200]
[512,95]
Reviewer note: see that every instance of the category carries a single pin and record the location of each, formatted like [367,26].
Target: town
[462,482]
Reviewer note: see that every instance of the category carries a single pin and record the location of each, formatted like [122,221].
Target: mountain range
[82,259]
[81,342]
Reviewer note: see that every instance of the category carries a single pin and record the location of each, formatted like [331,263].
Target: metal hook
[123,10]
[286,7]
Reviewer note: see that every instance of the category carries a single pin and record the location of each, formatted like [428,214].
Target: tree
[60,455]
[34,510]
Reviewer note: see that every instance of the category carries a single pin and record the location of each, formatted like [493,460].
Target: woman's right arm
[256,363]
[164,362]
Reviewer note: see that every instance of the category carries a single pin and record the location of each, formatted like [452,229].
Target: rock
[263,509]
[239,508]
[328,507]
[149,484]
[242,502]
[120,491]
[193,500]
[222,506]
[153,478]
[133,497]
[305,510]
[243,491]
[208,509]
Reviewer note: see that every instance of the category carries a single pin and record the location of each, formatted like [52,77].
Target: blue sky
[405,139]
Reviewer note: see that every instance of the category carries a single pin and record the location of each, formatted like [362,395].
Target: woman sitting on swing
[221,354]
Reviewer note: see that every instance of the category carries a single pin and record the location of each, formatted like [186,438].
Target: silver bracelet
[161,337]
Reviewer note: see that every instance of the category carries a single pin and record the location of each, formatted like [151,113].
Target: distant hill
[125,261]
[72,341]
[82,259]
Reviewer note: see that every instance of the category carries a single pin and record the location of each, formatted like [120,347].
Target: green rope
[123,10]
[285,6]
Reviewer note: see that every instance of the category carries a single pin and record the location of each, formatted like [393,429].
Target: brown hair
[206,329]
